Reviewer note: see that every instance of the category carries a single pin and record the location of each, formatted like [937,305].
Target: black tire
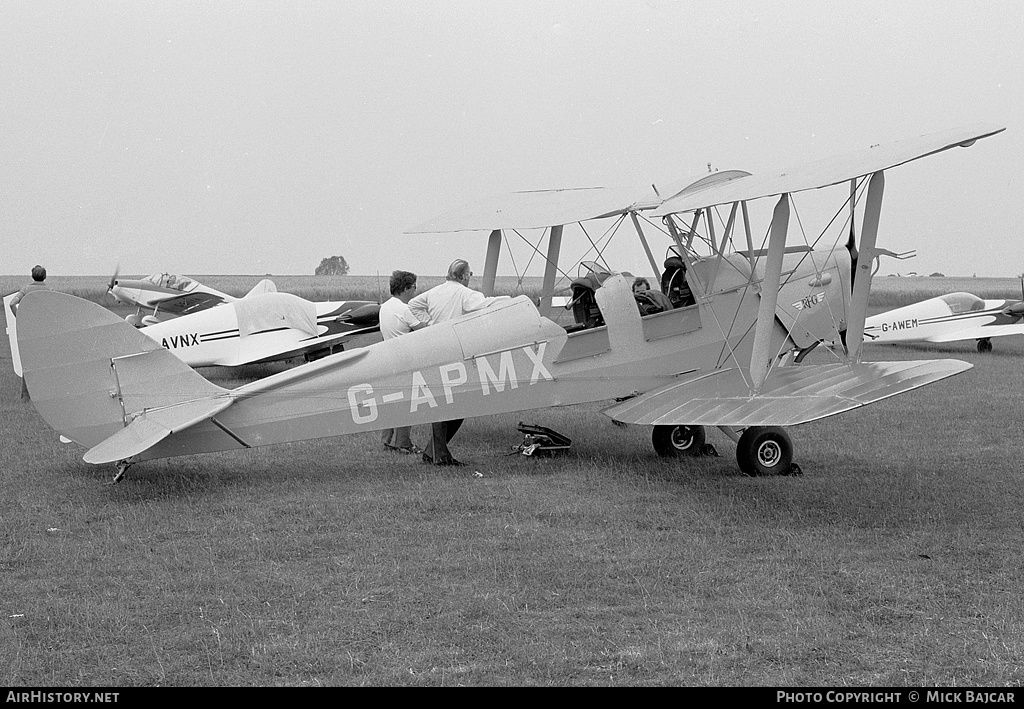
[985,345]
[764,450]
[675,441]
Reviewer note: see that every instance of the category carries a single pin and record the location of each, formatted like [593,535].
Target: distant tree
[333,266]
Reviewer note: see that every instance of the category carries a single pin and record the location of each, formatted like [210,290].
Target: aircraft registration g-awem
[730,353]
[204,327]
[953,317]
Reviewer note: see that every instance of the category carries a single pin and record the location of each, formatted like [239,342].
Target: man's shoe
[449,461]
[427,459]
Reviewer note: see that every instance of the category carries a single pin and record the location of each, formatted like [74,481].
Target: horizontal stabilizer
[151,427]
[790,396]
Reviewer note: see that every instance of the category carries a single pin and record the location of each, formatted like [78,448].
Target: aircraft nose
[124,295]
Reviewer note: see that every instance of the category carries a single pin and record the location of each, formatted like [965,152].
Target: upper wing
[827,172]
[533,209]
[537,209]
[790,396]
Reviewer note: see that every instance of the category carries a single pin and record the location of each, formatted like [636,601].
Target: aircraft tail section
[12,333]
[264,286]
[98,380]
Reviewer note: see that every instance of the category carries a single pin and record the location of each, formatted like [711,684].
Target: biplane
[953,317]
[739,354]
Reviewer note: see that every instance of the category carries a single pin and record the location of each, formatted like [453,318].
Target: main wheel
[764,450]
[984,345]
[672,441]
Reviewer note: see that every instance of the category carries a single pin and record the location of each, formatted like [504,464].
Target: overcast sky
[231,137]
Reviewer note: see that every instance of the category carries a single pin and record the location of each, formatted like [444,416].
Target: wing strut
[759,356]
[491,262]
[750,241]
[647,248]
[551,269]
[726,236]
[865,259]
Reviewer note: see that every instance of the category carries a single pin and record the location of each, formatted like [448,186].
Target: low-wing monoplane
[953,317]
[263,326]
[161,296]
[738,353]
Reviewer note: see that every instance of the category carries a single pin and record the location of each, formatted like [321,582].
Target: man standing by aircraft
[395,320]
[451,299]
[38,283]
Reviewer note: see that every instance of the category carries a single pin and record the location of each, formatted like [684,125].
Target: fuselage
[509,358]
[940,319]
[213,337]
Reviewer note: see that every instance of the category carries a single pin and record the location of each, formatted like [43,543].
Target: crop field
[895,560]
[887,291]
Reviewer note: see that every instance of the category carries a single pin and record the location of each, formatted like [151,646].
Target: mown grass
[895,560]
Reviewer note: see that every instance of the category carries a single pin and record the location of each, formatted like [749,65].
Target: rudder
[89,372]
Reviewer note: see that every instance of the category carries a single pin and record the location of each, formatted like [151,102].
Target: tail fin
[264,286]
[92,376]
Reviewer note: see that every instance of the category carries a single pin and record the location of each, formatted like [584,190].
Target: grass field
[895,560]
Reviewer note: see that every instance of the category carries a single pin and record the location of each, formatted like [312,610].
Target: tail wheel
[764,450]
[984,345]
[673,441]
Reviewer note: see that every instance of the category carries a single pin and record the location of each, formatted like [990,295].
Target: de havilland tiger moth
[729,353]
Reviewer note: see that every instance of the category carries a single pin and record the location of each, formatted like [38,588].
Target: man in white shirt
[395,320]
[451,299]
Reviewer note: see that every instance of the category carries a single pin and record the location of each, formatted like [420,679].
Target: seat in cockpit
[674,285]
[585,311]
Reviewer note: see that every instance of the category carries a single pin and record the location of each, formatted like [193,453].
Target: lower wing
[790,395]
[979,333]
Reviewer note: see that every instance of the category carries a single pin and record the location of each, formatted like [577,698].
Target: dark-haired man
[395,320]
[38,283]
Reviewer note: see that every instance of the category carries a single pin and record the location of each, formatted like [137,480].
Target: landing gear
[765,450]
[673,441]
[984,345]
[122,468]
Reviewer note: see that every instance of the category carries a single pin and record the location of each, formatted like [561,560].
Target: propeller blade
[113,278]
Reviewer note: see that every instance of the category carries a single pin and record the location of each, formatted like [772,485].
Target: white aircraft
[733,355]
[221,330]
[948,318]
[166,295]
